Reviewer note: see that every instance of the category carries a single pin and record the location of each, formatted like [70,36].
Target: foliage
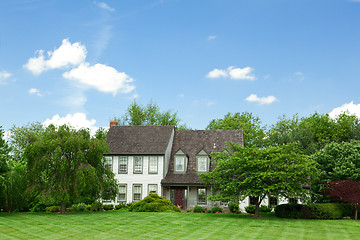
[66,166]
[120,206]
[215,209]
[53,209]
[264,208]
[337,161]
[254,133]
[96,206]
[149,115]
[345,191]
[199,209]
[81,207]
[326,211]
[258,172]
[153,203]
[250,209]
[108,207]
[292,211]
[189,210]
[234,207]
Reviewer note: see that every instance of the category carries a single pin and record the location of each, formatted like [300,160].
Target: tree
[337,161]
[254,133]
[149,115]
[260,172]
[346,191]
[4,165]
[66,166]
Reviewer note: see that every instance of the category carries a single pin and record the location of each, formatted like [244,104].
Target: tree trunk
[62,207]
[256,210]
[356,211]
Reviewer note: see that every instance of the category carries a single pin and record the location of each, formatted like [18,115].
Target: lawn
[128,225]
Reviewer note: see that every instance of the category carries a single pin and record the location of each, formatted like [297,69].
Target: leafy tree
[4,166]
[346,191]
[337,161]
[149,115]
[260,172]
[66,166]
[254,133]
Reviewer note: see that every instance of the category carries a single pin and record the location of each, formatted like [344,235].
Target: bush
[329,210]
[250,209]
[120,206]
[264,208]
[96,206]
[215,210]
[53,209]
[291,211]
[199,209]
[108,207]
[81,207]
[153,203]
[188,210]
[234,207]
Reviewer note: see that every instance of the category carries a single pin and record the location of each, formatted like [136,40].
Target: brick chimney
[113,123]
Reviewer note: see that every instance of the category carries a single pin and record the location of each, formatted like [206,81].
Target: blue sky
[84,62]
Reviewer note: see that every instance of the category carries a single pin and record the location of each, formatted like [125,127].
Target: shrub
[216,209]
[234,207]
[290,211]
[96,206]
[120,206]
[81,207]
[53,209]
[188,210]
[153,203]
[250,209]
[264,208]
[108,207]
[199,209]
[326,210]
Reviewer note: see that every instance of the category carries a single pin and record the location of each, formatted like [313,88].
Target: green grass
[128,225]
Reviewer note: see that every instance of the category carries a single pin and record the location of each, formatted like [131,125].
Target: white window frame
[206,163]
[140,193]
[120,159]
[150,170]
[125,194]
[200,201]
[154,186]
[180,158]
[141,166]
[108,163]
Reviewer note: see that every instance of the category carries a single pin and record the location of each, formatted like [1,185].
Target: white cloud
[66,55]
[299,76]
[211,37]
[210,103]
[104,6]
[4,75]
[76,120]
[34,91]
[233,73]
[217,73]
[241,73]
[351,108]
[101,77]
[181,95]
[261,100]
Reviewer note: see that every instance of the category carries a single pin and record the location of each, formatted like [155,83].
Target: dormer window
[202,161]
[180,162]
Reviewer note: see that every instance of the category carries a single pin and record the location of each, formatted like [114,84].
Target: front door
[179,196]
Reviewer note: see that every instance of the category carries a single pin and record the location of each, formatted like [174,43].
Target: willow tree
[66,166]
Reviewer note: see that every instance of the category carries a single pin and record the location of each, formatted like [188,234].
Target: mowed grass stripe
[127,225]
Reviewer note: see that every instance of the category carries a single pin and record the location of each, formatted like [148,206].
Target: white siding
[144,178]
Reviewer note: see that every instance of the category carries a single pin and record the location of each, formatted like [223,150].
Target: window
[180,164]
[153,188]
[202,164]
[273,201]
[138,164]
[137,192]
[123,164]
[153,164]
[108,162]
[202,195]
[293,200]
[253,200]
[122,193]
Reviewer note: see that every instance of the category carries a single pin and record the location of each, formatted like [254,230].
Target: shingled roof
[191,143]
[139,139]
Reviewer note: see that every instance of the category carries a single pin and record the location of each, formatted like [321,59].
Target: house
[162,160]
[166,161]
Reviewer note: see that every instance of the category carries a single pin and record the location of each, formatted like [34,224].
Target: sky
[84,62]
